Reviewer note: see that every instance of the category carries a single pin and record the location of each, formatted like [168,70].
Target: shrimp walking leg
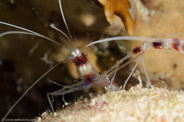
[139,78]
[65,90]
[13,106]
[126,81]
[148,83]
[112,80]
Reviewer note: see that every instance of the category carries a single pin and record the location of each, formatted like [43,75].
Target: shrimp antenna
[68,43]
[15,26]
[15,32]
[20,98]
[62,14]
[30,32]
[64,20]
[122,38]
[52,25]
[27,30]
[27,33]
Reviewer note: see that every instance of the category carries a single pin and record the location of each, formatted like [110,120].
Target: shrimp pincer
[156,43]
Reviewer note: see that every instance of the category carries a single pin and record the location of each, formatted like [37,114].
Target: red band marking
[158,44]
[89,78]
[176,44]
[80,60]
[182,47]
[136,50]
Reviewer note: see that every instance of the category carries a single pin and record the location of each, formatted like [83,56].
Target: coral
[120,8]
[137,104]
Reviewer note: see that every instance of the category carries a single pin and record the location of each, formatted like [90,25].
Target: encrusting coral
[137,104]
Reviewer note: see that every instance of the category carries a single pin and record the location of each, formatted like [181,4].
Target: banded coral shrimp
[116,66]
[90,77]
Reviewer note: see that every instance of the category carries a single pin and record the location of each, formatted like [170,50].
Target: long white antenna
[27,30]
[28,33]
[65,41]
[62,14]
[122,38]
[20,98]
[15,26]
[55,28]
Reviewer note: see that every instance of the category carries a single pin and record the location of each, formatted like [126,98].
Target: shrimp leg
[20,98]
[65,90]
[148,83]
[132,71]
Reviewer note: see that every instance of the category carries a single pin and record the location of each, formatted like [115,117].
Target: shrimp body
[86,71]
